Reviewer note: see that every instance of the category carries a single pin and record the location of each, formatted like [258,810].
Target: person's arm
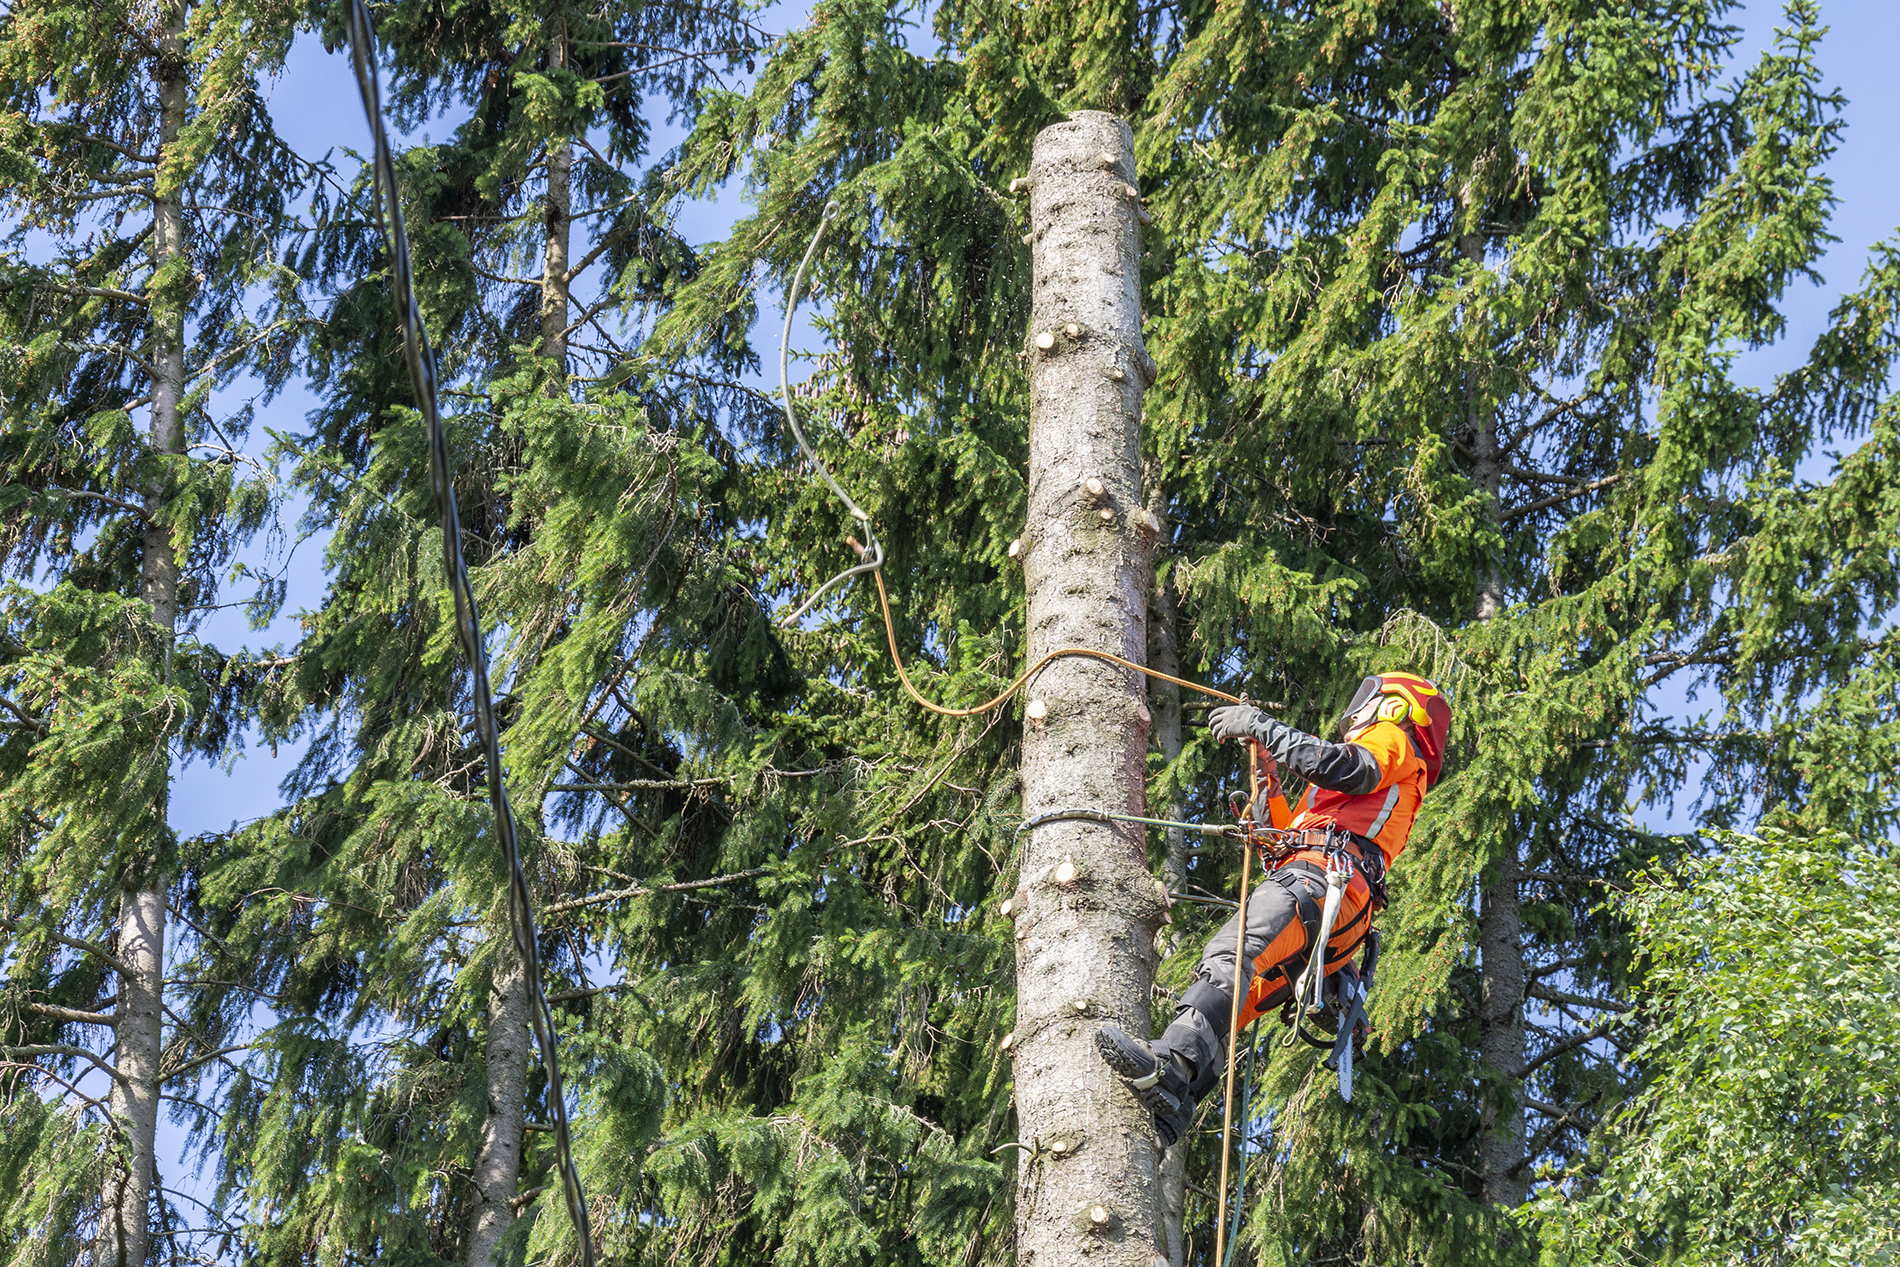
[1337,767]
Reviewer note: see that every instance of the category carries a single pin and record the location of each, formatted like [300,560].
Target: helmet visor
[1368,690]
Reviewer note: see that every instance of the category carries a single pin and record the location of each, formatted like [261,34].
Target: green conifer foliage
[392,1109]
[1444,300]
[144,198]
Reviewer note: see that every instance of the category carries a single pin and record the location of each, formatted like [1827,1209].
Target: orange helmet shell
[1411,698]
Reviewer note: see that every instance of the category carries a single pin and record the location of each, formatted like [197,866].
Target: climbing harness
[468,624]
[1307,991]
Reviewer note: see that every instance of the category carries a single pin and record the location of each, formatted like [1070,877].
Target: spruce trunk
[1165,699]
[1500,921]
[1085,950]
[125,1221]
[498,1159]
[558,229]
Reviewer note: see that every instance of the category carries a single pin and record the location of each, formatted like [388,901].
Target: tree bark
[1085,951]
[1501,1032]
[558,230]
[125,1219]
[498,1157]
[1164,699]
[1500,918]
[497,1169]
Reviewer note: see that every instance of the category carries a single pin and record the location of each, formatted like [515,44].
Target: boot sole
[1131,1067]
[1124,1063]
[1170,1118]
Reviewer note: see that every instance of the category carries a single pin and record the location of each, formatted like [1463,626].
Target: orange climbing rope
[1233,1024]
[890,633]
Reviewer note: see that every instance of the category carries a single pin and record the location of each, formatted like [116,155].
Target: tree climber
[1362,797]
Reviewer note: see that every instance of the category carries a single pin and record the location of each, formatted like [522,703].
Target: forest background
[861,1025]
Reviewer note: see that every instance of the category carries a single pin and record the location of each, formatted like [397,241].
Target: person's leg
[1275,930]
[1173,1071]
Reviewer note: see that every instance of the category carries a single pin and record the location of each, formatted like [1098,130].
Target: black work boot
[1160,1078]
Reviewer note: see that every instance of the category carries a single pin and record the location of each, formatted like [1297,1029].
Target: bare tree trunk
[1164,698]
[1085,951]
[497,1169]
[558,231]
[125,1220]
[1501,1032]
[498,1158]
[1500,918]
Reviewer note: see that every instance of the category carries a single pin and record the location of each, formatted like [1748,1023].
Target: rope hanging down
[872,553]
[421,359]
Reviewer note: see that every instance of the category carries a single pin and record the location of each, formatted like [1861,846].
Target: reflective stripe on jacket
[1383,815]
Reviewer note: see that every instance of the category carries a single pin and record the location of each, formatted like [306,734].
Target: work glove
[1235,721]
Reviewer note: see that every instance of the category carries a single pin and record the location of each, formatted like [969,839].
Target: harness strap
[1310,911]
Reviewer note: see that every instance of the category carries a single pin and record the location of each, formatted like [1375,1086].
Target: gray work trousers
[1199,1028]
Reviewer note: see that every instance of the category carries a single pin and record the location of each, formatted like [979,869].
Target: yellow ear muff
[1410,694]
[1393,708]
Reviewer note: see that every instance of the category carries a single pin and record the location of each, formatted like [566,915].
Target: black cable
[468,628]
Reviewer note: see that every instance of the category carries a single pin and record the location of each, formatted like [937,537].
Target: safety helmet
[1407,697]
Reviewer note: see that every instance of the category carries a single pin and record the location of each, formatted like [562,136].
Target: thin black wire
[468,628]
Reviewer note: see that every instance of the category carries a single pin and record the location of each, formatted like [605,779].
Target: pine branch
[195,1061]
[64,1049]
[72,1090]
[1561,1118]
[69,1014]
[1557,877]
[77,943]
[131,508]
[520,1203]
[605,245]
[1664,737]
[36,724]
[1562,997]
[102,292]
[497,277]
[1670,663]
[89,138]
[1557,499]
[1539,477]
[625,812]
[640,785]
[1569,1044]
